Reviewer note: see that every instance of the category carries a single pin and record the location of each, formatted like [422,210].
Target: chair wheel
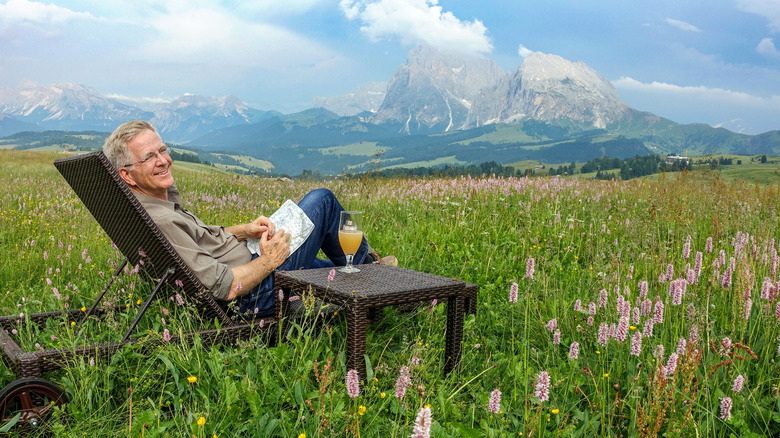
[34,397]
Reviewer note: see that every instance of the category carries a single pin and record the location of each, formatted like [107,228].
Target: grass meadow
[606,308]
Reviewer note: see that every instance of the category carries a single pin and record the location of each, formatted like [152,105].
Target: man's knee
[321,194]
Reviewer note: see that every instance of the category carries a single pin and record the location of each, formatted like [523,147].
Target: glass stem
[349,259]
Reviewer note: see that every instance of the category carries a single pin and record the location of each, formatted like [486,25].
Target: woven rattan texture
[126,222]
[380,285]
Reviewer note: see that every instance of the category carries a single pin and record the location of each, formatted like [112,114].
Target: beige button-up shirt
[208,250]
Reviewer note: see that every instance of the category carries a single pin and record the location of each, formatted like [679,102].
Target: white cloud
[30,12]
[767,47]
[417,22]
[697,91]
[682,25]
[524,51]
[197,35]
[769,9]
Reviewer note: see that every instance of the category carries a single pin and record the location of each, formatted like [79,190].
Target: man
[218,256]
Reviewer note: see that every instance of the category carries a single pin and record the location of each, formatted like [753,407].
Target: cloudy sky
[714,62]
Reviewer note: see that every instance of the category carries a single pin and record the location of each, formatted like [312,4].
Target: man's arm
[274,251]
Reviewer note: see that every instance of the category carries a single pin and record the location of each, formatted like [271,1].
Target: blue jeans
[324,210]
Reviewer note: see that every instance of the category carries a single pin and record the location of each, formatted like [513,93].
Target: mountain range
[439,108]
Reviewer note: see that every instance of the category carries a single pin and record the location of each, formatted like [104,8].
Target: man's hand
[257,227]
[275,248]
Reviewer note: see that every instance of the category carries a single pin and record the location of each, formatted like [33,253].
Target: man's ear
[125,174]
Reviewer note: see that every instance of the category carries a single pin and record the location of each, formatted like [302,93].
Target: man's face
[153,176]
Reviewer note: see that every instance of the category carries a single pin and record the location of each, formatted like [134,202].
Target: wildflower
[669,272]
[303,435]
[557,337]
[643,289]
[353,385]
[38,346]
[622,329]
[165,311]
[555,411]
[382,395]
[201,421]
[542,391]
[494,405]
[671,364]
[574,350]
[552,324]
[577,305]
[433,304]
[57,293]
[637,316]
[636,344]
[591,308]
[192,379]
[513,293]
[725,408]
[659,311]
[605,375]
[687,248]
[72,323]
[725,281]
[361,410]
[681,344]
[167,336]
[529,268]
[697,264]
[590,320]
[725,346]
[738,383]
[179,300]
[92,362]
[403,383]
[422,425]
[603,295]
[748,306]
[83,309]
[603,334]
[179,283]
[708,245]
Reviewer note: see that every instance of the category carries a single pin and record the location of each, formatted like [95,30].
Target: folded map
[291,218]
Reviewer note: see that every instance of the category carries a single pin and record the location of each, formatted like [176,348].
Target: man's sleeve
[216,277]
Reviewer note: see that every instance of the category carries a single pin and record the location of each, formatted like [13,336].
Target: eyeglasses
[162,152]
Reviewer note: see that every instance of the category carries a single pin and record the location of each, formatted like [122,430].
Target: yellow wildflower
[555,411]
[361,410]
[72,323]
[192,379]
[383,395]
[201,421]
[83,309]
[605,375]
[303,435]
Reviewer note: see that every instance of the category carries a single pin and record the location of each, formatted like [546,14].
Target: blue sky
[690,61]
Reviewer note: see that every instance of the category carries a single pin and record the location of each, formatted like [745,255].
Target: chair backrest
[129,226]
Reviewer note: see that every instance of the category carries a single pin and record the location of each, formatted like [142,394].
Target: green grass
[362,149]
[584,237]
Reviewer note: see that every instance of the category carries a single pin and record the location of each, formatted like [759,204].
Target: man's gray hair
[115,146]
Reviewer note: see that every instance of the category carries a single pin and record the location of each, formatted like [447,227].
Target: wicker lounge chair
[119,213]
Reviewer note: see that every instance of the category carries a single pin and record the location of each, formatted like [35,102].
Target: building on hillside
[672,159]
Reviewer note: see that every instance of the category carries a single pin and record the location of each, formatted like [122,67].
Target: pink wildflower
[403,383]
[331,274]
[697,264]
[659,311]
[179,283]
[671,364]
[494,405]
[422,424]
[669,272]
[574,350]
[552,324]
[353,385]
[92,361]
[725,346]
[165,311]
[636,344]
[622,329]
[542,391]
[766,289]
[57,293]
[693,335]
[643,289]
[179,300]
[513,293]
[166,335]
[681,345]
[637,315]
[163,321]
[748,307]
[738,383]
[725,408]
[659,352]
[725,281]
[45,255]
[557,337]
[591,308]
[603,334]
[687,247]
[708,245]
[603,295]
[577,305]
[529,268]
[590,321]
[647,331]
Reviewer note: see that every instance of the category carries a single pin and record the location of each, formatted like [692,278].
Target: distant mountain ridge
[440,107]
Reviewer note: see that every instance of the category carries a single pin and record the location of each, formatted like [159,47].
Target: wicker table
[374,287]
